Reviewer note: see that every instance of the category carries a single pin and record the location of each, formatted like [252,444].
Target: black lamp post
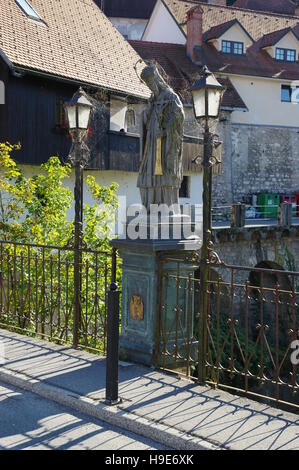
[207,93]
[78,112]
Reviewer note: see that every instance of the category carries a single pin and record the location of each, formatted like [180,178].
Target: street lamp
[78,111]
[207,94]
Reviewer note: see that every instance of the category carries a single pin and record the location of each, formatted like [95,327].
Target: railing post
[1,290]
[114,265]
[285,214]
[238,212]
[205,254]
[78,249]
[112,397]
[158,332]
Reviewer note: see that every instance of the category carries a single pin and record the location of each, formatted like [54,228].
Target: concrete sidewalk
[31,422]
[174,412]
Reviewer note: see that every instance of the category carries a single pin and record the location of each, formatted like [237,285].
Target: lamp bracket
[79,154]
[213,159]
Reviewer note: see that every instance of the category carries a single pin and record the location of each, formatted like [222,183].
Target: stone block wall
[264,159]
[277,246]
[254,158]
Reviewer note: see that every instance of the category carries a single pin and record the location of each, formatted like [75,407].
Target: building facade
[257,53]
[44,59]
[129,17]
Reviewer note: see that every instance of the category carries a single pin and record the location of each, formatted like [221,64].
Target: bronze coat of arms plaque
[136,308]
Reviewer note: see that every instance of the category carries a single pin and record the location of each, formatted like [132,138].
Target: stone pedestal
[140,292]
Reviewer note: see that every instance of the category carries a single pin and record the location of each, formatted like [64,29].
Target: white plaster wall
[195,189]
[162,27]
[131,28]
[127,182]
[235,33]
[262,97]
[118,109]
[2,93]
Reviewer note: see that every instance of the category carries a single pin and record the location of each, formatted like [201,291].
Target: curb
[115,416]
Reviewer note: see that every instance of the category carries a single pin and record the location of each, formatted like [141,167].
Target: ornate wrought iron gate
[38,293]
[251,329]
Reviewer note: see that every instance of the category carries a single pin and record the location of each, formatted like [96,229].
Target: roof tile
[76,42]
[262,27]
[181,71]
[256,23]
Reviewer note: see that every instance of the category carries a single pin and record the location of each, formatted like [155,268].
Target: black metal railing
[254,215]
[37,293]
[251,333]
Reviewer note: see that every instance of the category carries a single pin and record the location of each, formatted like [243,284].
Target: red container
[291,199]
[297,202]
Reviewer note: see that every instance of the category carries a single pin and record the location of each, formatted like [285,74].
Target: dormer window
[28,10]
[238,48]
[285,55]
[232,47]
[289,94]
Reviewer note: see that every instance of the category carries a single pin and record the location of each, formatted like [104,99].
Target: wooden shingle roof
[263,28]
[76,41]
[256,23]
[181,71]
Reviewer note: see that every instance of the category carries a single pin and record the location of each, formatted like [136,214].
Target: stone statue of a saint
[160,174]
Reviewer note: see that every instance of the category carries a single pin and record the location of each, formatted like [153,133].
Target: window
[226,47]
[61,116]
[232,47]
[130,119]
[238,48]
[286,93]
[2,93]
[291,55]
[118,110]
[288,55]
[289,94]
[185,187]
[28,9]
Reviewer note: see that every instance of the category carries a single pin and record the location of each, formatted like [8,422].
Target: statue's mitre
[148,72]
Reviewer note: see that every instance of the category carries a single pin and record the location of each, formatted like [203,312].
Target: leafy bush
[37,289]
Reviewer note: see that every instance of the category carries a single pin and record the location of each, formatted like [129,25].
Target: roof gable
[272,39]
[163,27]
[217,31]
[182,72]
[256,23]
[78,44]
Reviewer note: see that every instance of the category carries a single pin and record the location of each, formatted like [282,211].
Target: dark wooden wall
[124,152]
[32,118]
[4,72]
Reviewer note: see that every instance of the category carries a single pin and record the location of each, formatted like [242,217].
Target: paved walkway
[169,410]
[30,422]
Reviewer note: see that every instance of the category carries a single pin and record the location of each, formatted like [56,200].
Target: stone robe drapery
[164,119]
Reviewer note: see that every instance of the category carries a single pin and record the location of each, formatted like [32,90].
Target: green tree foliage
[37,291]
[34,209]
